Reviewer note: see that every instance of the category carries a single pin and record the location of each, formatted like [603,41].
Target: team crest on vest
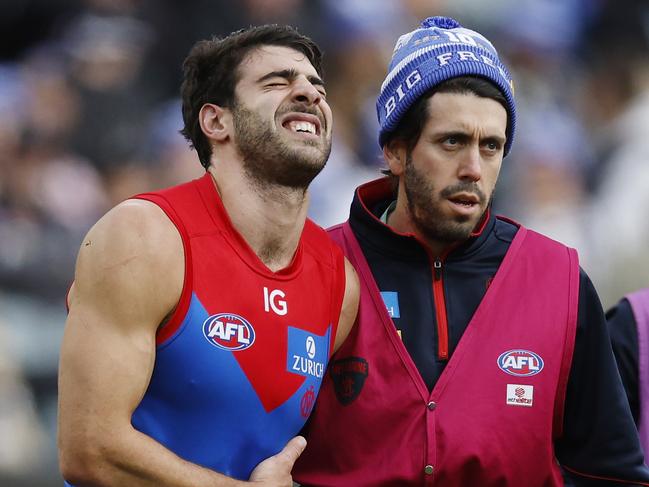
[308,353]
[521,363]
[228,331]
[348,375]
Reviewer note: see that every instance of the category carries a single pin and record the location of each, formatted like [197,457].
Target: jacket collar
[371,200]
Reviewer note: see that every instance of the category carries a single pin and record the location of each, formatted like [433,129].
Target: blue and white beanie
[440,49]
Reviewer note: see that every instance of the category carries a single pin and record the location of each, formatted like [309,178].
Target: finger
[292,450]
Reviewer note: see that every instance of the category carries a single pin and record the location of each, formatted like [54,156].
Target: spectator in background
[22,438]
[628,323]
[616,107]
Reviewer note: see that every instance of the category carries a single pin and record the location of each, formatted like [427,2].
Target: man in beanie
[481,355]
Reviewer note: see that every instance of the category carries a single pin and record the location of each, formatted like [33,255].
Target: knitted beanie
[440,49]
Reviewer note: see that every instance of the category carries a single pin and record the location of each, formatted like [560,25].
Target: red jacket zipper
[440,310]
[438,293]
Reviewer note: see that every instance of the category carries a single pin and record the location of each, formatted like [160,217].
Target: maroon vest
[495,411]
[640,306]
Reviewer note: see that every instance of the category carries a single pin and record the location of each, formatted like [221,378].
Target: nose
[304,91]
[470,168]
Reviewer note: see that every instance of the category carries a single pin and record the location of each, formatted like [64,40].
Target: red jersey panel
[240,362]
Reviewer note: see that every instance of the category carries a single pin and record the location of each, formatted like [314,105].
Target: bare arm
[129,277]
[350,305]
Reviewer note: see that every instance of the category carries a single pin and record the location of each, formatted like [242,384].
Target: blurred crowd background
[90,115]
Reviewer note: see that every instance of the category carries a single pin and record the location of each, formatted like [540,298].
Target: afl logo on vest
[229,332]
[521,363]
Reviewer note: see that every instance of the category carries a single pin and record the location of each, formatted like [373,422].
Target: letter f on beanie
[440,49]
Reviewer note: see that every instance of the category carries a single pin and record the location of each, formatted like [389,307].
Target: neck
[270,218]
[399,220]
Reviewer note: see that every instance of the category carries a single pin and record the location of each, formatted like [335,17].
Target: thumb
[292,450]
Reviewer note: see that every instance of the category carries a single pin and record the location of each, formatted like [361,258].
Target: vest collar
[372,199]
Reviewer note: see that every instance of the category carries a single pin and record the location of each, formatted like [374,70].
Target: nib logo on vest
[228,331]
[520,395]
[307,352]
[521,363]
[348,375]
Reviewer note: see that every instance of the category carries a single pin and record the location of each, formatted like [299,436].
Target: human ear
[394,153]
[215,122]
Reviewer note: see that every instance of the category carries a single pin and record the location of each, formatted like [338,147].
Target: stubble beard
[424,206]
[269,160]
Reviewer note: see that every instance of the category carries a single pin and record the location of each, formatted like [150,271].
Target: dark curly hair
[210,73]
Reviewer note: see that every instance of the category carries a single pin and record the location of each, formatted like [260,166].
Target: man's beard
[267,159]
[424,206]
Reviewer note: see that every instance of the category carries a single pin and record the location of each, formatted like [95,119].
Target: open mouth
[301,126]
[461,202]
[302,123]
[465,201]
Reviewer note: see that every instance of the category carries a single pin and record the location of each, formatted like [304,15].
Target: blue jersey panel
[201,405]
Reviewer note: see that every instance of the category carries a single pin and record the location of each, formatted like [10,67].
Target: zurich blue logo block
[307,352]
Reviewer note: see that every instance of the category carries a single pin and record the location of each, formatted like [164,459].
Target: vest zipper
[440,310]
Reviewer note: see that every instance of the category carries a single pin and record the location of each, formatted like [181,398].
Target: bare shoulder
[131,261]
[350,304]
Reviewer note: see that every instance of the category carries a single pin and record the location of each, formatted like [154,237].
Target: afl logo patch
[228,331]
[521,363]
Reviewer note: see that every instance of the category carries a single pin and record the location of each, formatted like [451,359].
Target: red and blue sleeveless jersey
[240,362]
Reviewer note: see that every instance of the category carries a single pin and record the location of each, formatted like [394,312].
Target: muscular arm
[129,277]
[350,305]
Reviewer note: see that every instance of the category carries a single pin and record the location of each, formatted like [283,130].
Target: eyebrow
[290,75]
[464,136]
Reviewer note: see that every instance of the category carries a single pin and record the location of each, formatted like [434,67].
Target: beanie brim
[423,59]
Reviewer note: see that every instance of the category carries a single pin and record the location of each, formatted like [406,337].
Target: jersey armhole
[169,329]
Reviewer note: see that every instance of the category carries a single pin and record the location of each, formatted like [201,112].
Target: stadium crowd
[91,115]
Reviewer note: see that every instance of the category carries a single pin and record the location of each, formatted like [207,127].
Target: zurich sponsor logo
[307,353]
[228,331]
[521,363]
